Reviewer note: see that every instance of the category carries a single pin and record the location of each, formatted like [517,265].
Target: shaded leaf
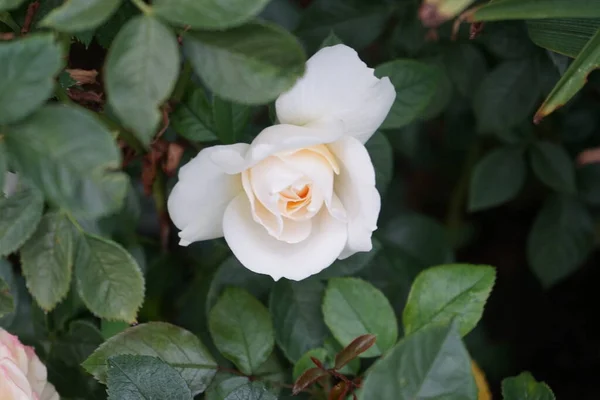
[415,84]
[47,260]
[561,239]
[306,361]
[242,330]
[573,79]
[7,304]
[351,265]
[297,317]
[193,119]
[230,120]
[430,364]
[445,293]
[131,377]
[80,15]
[70,155]
[109,279]
[353,307]
[141,69]
[564,36]
[27,70]
[208,14]
[553,166]
[175,346]
[20,214]
[251,64]
[536,9]
[525,387]
[497,178]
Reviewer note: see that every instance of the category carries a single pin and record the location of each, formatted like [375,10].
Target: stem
[10,22]
[145,8]
[74,221]
[182,82]
[459,194]
[61,94]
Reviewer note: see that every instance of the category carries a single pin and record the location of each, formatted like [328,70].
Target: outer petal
[13,383]
[10,184]
[12,348]
[49,393]
[275,139]
[198,201]
[263,254]
[355,186]
[338,84]
[37,374]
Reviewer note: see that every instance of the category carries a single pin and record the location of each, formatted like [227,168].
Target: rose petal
[263,254]
[37,374]
[275,139]
[198,201]
[49,393]
[355,186]
[12,348]
[10,184]
[13,382]
[338,84]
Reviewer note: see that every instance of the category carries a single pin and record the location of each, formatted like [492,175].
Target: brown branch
[31,11]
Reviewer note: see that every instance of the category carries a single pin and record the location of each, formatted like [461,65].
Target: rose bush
[22,374]
[303,192]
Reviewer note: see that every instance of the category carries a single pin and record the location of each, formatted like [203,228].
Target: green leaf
[305,363]
[70,155]
[297,317]
[382,156]
[112,328]
[251,64]
[456,59]
[353,307]
[252,391]
[141,70]
[350,265]
[230,120]
[448,292]
[10,4]
[132,377]
[20,214]
[588,183]
[419,238]
[525,387]
[193,118]
[553,166]
[223,384]
[208,14]
[357,23]
[47,260]
[80,15]
[27,70]
[574,78]
[7,304]
[3,169]
[175,346]
[430,364]
[75,346]
[331,40]
[563,36]
[536,9]
[561,239]
[242,330]
[232,273]
[415,84]
[506,96]
[109,280]
[497,178]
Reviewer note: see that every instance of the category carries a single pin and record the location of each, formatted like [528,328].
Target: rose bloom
[302,194]
[22,375]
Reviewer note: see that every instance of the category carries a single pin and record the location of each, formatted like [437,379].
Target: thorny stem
[144,7]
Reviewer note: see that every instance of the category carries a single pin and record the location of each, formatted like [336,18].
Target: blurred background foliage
[464,172]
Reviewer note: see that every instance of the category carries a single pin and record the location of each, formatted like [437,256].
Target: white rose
[302,194]
[10,184]
[22,374]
